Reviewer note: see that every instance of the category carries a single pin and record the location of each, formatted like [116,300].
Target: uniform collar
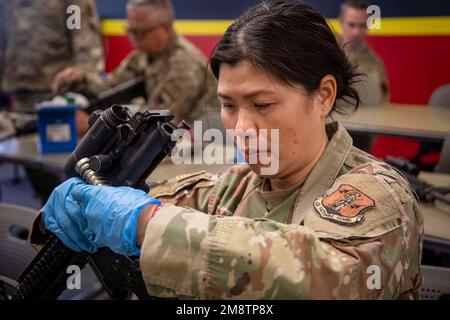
[321,177]
[325,171]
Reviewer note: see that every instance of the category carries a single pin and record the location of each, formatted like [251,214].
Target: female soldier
[332,223]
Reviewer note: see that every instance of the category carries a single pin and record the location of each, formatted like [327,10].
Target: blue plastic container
[57,129]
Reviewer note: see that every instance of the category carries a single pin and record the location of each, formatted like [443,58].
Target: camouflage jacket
[177,80]
[38,43]
[371,66]
[353,230]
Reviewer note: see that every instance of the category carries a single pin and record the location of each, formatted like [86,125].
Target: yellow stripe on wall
[114,27]
[202,27]
[117,27]
[411,26]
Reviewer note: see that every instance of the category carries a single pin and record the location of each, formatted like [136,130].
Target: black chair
[436,283]
[443,165]
[440,96]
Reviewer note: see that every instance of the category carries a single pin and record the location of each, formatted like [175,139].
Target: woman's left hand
[87,218]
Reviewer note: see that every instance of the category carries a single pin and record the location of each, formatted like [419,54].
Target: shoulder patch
[346,205]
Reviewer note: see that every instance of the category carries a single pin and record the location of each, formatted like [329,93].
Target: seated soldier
[175,70]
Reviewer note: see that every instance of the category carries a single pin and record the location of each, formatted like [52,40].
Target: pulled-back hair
[292,42]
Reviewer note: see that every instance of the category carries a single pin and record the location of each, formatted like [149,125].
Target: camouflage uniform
[39,45]
[177,79]
[369,64]
[227,238]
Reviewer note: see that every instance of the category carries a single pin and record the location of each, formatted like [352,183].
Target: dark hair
[355,4]
[290,41]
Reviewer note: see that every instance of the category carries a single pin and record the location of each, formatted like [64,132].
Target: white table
[414,121]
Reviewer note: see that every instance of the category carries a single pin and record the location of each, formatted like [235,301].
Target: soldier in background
[353,21]
[175,70]
[35,44]
[39,44]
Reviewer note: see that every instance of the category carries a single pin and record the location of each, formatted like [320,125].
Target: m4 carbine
[119,149]
[424,191]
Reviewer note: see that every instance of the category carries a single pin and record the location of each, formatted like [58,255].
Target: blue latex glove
[87,217]
[55,217]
